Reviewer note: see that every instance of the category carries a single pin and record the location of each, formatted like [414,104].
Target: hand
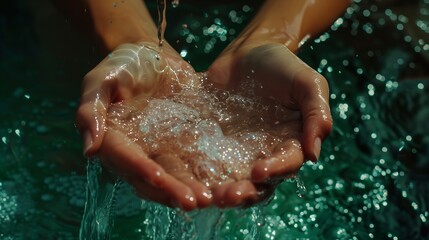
[282,76]
[129,72]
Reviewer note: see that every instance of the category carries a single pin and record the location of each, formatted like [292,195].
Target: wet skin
[137,71]
[261,50]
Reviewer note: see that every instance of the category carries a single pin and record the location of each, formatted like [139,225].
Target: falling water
[159,222]
[354,194]
[97,221]
[300,187]
[162,23]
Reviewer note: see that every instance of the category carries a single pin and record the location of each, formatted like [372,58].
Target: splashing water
[300,187]
[217,134]
[159,221]
[97,222]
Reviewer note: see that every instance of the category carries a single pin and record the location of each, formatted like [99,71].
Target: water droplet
[175,3]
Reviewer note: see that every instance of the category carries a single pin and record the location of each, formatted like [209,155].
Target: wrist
[238,49]
[257,39]
[115,35]
[256,35]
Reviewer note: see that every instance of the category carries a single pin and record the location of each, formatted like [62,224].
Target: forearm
[113,22]
[117,22]
[290,21]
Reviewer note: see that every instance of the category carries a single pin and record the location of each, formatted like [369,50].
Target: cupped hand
[135,71]
[273,71]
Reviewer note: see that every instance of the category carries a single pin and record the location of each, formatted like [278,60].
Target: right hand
[303,93]
[131,71]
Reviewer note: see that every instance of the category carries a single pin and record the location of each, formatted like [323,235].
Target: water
[162,22]
[300,187]
[97,222]
[370,182]
[175,3]
[159,222]
[218,134]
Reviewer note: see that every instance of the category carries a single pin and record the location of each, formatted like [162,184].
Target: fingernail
[87,141]
[317,147]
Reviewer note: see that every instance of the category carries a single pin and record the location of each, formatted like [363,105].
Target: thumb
[91,116]
[311,92]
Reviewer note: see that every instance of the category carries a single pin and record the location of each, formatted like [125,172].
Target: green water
[371,181]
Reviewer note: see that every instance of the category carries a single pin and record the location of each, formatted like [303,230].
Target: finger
[92,111]
[233,194]
[287,159]
[313,100]
[177,168]
[127,158]
[148,192]
[240,193]
[219,192]
[100,88]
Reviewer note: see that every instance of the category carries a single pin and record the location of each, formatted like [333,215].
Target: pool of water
[371,181]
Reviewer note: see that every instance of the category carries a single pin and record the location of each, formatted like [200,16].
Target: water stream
[159,221]
[162,21]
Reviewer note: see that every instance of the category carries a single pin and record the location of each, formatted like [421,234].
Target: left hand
[132,71]
[299,88]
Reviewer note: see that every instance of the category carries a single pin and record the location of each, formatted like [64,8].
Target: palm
[206,137]
[184,142]
[273,72]
[136,71]
[230,142]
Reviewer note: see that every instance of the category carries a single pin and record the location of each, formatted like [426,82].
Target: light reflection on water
[371,181]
